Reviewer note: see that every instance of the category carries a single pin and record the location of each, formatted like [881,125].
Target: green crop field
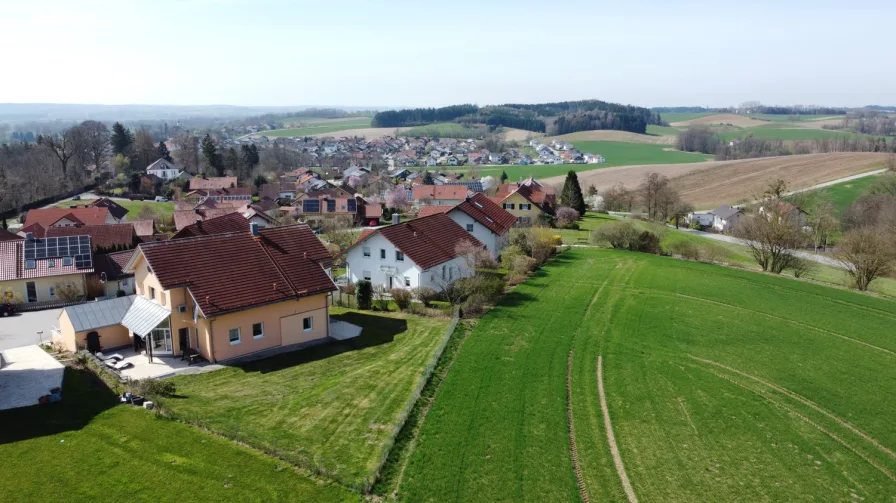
[680,117]
[843,194]
[778,132]
[792,118]
[90,448]
[662,130]
[441,130]
[320,128]
[333,408]
[617,153]
[720,384]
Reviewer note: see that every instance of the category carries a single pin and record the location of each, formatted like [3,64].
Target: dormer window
[30,264]
[66,261]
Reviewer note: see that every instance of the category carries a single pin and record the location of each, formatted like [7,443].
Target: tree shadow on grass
[376,330]
[84,396]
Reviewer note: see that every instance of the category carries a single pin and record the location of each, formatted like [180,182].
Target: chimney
[253,228]
[29,236]
[199,223]
[396,219]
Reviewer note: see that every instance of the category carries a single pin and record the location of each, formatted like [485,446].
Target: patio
[161,366]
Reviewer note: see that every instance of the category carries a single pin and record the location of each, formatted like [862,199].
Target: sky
[383,53]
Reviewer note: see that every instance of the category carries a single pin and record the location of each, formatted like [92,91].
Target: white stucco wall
[382,269]
[492,241]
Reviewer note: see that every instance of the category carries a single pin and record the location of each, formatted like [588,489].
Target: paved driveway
[21,329]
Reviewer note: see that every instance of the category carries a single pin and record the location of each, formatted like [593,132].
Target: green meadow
[320,128]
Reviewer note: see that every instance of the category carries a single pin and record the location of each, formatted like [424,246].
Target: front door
[31,290]
[183,335]
[160,338]
[390,282]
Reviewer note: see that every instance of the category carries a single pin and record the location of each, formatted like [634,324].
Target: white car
[160,199]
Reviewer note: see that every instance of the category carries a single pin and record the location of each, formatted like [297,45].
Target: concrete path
[814,257]
[28,374]
[21,329]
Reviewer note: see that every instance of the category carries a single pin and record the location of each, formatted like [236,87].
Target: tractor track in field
[573,451]
[766,315]
[611,438]
[805,419]
[803,400]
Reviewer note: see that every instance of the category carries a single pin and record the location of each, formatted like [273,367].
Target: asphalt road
[21,329]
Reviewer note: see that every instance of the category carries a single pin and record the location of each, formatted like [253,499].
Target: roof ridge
[279,269]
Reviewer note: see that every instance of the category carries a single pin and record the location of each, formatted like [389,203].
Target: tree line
[869,122]
[421,116]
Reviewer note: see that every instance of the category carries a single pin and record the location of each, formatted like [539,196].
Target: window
[308,324]
[509,206]
[257,330]
[51,264]
[182,308]
[331,205]
[399,256]
[148,269]
[450,273]
[443,272]
[366,275]
[311,206]
[407,281]
[66,261]
[469,227]
[352,205]
[526,206]
[366,251]
[152,293]
[30,264]
[234,335]
[52,291]
[382,254]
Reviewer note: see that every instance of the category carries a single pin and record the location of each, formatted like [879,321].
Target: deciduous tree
[867,253]
[772,236]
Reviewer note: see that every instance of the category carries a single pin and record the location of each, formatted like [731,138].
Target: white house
[420,252]
[594,158]
[725,218]
[164,170]
[703,218]
[485,220]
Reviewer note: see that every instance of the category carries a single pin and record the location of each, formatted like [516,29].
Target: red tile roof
[483,210]
[36,229]
[5,235]
[429,209]
[143,227]
[49,216]
[232,222]
[12,264]
[439,192]
[183,218]
[112,264]
[118,211]
[427,241]
[103,237]
[212,183]
[236,271]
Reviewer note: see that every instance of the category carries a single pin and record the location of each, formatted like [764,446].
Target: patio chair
[104,358]
[119,366]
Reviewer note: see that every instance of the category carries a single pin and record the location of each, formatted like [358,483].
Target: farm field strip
[322,128]
[747,396]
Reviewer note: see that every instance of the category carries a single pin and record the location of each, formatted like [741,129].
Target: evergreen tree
[503,176]
[427,178]
[250,156]
[572,193]
[213,159]
[163,151]
[233,164]
[121,140]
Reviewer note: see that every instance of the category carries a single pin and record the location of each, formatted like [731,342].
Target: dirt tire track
[573,451]
[611,438]
[803,400]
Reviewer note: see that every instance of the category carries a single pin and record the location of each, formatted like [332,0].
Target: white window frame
[239,336]
[310,320]
[365,250]
[259,336]
[367,275]
[407,281]
[67,261]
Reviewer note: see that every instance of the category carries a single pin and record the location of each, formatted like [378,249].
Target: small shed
[101,317]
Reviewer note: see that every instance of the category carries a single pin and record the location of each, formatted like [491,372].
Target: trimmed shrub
[402,297]
[564,217]
[365,294]
[685,250]
[425,294]
[648,242]
[152,387]
[618,235]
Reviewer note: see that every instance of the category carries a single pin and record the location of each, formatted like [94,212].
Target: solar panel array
[77,247]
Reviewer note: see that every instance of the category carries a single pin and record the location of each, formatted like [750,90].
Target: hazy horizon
[298,54]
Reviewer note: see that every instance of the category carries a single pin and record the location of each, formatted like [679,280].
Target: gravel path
[611,438]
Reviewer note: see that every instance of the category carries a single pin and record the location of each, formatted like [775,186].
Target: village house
[527,200]
[237,195]
[109,269]
[486,221]
[69,217]
[438,195]
[725,218]
[421,252]
[213,183]
[163,169]
[188,302]
[32,269]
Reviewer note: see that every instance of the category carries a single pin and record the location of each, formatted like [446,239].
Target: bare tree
[866,254]
[94,136]
[650,190]
[822,221]
[186,152]
[338,230]
[63,145]
[772,236]
[145,150]
[618,198]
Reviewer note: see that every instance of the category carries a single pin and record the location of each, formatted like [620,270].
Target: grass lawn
[843,194]
[133,207]
[617,153]
[781,132]
[721,384]
[333,408]
[662,130]
[321,128]
[89,449]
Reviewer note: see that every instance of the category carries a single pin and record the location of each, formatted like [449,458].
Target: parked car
[76,198]
[160,199]
[7,310]
[136,197]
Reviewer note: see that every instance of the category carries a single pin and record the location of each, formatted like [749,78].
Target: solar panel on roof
[59,247]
